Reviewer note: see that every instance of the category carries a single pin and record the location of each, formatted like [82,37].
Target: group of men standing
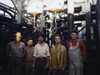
[40,58]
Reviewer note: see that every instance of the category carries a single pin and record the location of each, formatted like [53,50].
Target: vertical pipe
[19,15]
[55,24]
[34,23]
[70,24]
[47,37]
[97,28]
[88,31]
[0,31]
[70,17]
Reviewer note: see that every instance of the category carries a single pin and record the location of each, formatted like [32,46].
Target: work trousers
[40,66]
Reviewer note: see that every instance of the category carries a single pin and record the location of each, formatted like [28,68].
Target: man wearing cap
[77,54]
[41,56]
[15,51]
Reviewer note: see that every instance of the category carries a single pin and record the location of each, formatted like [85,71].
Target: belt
[41,58]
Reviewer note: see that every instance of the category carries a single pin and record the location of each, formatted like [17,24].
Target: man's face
[74,36]
[40,39]
[57,40]
[18,38]
[30,42]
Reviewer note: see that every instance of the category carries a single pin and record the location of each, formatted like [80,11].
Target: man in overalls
[76,54]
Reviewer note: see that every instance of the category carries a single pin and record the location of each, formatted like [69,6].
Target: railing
[9,10]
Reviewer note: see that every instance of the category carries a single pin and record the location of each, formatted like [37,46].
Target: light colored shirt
[14,50]
[41,51]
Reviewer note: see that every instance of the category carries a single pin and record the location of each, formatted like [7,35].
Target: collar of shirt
[42,44]
[16,44]
[74,41]
[29,47]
